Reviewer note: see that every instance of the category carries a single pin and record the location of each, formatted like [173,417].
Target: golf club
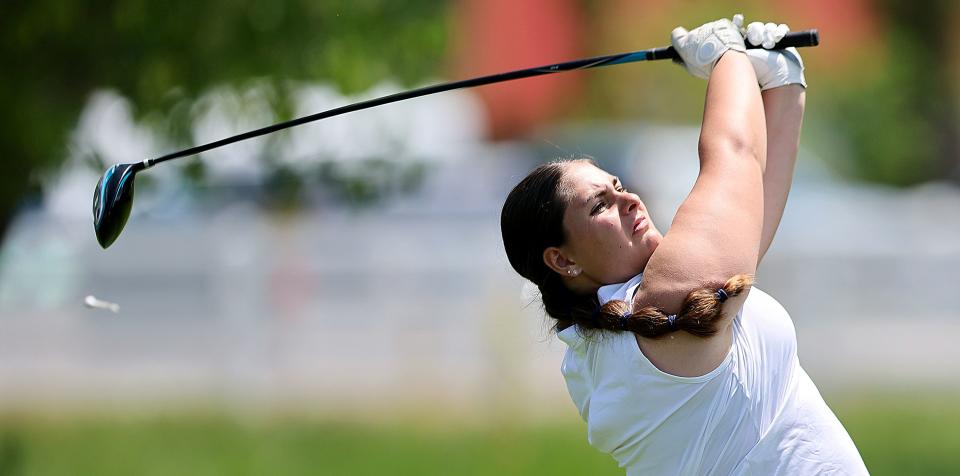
[113,196]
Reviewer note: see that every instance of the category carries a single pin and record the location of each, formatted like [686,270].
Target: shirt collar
[620,291]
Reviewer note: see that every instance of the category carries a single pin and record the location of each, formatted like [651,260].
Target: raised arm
[716,232]
[781,78]
[714,239]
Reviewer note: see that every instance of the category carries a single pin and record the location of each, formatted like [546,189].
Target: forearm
[733,122]
[783,108]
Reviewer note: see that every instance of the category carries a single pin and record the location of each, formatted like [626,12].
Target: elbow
[731,146]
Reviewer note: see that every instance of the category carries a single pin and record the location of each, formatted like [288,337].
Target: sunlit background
[335,299]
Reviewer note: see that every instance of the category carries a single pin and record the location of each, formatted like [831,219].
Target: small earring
[573,272]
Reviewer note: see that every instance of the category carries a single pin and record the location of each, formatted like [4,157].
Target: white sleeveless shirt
[757,413]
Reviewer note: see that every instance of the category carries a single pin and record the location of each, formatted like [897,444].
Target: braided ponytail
[698,315]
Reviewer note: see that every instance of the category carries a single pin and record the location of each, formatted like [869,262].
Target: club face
[112,201]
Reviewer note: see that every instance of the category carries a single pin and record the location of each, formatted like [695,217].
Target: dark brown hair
[532,220]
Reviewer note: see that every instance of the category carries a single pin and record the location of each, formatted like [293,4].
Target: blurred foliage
[896,435]
[371,180]
[164,55]
[357,184]
[901,112]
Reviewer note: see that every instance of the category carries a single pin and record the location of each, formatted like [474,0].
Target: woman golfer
[676,364]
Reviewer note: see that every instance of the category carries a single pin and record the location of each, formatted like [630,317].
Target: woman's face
[610,236]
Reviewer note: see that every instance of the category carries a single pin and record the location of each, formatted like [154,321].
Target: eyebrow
[603,192]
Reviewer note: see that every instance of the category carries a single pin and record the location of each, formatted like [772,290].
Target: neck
[583,284]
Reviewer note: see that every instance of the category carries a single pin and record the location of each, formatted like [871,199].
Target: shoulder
[765,323]
[592,362]
[571,336]
[761,307]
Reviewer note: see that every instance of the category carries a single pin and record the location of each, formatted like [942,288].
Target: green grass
[203,445]
[906,434]
[895,436]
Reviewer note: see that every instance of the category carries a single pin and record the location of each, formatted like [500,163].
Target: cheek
[613,235]
[600,241]
[604,235]
[612,231]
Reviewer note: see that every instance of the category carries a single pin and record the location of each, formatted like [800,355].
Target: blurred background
[334,299]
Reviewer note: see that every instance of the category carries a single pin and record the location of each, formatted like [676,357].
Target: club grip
[796,39]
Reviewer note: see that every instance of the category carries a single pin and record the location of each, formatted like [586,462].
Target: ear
[558,261]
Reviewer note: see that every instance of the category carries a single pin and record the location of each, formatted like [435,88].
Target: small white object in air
[93,302]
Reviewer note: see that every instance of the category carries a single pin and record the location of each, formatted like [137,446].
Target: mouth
[641,224]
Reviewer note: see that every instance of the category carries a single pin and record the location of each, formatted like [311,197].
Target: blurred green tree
[901,114]
[164,54]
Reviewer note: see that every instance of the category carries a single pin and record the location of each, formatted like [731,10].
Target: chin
[652,239]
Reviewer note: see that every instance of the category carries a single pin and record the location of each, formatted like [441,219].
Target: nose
[630,202]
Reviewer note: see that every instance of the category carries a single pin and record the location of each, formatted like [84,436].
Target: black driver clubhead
[112,201]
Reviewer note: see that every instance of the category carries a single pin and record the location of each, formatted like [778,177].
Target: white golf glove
[774,68]
[701,47]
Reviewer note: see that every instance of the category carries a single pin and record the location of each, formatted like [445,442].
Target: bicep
[714,236]
[716,232]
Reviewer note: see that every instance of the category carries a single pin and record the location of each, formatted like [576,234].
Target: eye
[599,207]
